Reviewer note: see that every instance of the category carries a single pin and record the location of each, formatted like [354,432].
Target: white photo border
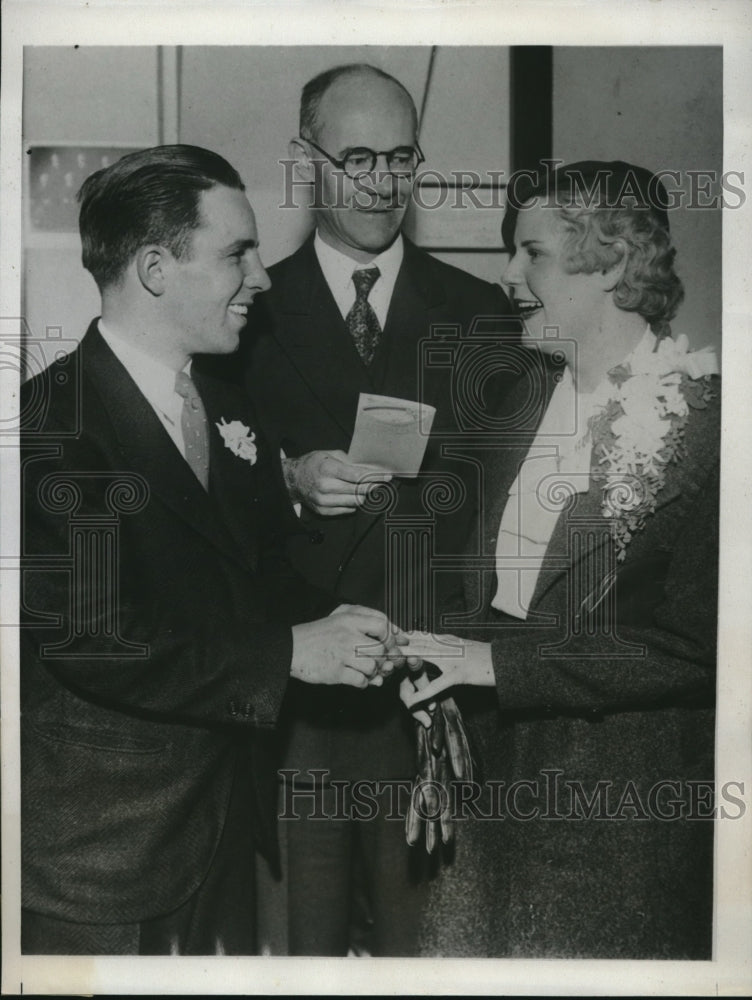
[500,22]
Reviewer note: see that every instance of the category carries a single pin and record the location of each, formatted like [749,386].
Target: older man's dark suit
[130,755]
[610,680]
[304,376]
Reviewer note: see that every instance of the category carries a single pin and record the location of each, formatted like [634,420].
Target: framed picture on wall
[460,216]
[55,172]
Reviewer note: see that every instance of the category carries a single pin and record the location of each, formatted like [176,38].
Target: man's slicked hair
[314,90]
[148,197]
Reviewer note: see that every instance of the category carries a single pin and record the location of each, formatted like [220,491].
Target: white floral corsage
[239,439]
[639,431]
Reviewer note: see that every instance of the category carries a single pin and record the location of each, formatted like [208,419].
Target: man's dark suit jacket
[304,375]
[142,705]
[610,680]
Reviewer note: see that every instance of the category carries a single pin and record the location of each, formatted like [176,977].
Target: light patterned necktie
[362,321]
[195,428]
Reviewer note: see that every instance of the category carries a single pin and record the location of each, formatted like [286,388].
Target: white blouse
[556,467]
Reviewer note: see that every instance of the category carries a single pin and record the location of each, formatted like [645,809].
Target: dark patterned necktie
[195,428]
[362,321]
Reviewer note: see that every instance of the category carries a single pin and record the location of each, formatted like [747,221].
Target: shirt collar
[644,347]
[337,268]
[155,380]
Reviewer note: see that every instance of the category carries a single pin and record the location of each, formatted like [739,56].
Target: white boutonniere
[239,439]
[640,430]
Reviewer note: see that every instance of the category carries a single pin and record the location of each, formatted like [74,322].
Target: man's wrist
[289,471]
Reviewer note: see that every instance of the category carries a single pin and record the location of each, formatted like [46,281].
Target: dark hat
[600,183]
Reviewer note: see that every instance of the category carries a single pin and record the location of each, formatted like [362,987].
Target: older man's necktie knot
[362,321]
[195,428]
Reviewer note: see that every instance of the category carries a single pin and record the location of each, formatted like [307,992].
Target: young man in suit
[163,623]
[351,311]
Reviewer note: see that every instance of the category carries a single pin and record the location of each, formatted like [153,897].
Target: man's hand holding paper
[329,483]
[389,439]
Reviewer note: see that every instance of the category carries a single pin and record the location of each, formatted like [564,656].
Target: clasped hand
[329,483]
[354,645]
[460,661]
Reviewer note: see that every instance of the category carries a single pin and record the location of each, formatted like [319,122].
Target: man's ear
[303,166]
[152,266]
[611,276]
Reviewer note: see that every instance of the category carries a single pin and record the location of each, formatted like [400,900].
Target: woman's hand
[461,661]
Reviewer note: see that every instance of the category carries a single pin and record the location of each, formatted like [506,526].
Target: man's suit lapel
[314,337]
[417,301]
[395,367]
[231,478]
[312,333]
[147,448]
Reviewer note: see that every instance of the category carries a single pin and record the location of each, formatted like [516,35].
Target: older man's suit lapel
[313,335]
[147,448]
[315,338]
[416,302]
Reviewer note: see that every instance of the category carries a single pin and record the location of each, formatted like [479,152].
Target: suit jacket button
[233,708]
[316,537]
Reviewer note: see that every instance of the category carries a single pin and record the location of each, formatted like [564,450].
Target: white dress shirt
[338,269]
[155,381]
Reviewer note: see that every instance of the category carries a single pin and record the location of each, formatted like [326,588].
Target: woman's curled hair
[649,285]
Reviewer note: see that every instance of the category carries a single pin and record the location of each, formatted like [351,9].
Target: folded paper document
[391,433]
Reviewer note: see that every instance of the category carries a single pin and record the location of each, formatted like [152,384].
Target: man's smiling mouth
[379,210]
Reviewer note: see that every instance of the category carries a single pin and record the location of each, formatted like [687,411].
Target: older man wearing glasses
[349,313]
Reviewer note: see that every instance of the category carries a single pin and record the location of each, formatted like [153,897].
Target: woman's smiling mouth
[526,307]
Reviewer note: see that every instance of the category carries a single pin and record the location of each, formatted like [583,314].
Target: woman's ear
[611,276]
[303,167]
[151,267]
